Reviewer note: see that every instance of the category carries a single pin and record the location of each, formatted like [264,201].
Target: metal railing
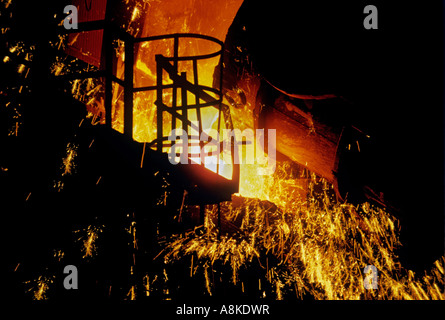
[211,97]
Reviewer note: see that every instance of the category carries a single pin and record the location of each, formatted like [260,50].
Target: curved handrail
[179,35]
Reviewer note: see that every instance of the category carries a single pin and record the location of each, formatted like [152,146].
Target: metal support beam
[128,90]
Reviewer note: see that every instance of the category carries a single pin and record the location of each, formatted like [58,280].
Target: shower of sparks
[319,249]
[88,239]
[59,255]
[132,293]
[68,162]
[136,14]
[40,287]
